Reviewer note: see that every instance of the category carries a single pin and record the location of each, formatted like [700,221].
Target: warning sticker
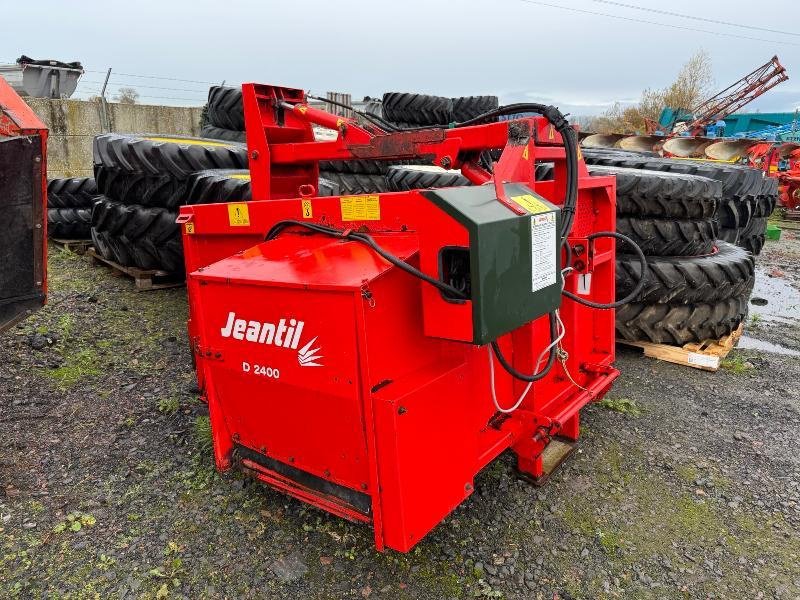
[189,228]
[531,203]
[238,215]
[308,211]
[544,262]
[360,208]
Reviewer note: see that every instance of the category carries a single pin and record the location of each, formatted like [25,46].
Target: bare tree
[691,86]
[127,95]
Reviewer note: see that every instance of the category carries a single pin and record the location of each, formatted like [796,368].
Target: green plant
[736,364]
[621,405]
[169,406]
[202,434]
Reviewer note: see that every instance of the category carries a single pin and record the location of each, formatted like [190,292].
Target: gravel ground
[686,485]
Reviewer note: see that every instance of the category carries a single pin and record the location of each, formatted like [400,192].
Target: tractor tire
[420,109]
[374,108]
[470,107]
[641,192]
[752,237]
[680,324]
[405,178]
[360,166]
[69,223]
[220,133]
[729,272]
[134,188]
[737,181]
[160,156]
[352,183]
[729,234]
[670,237]
[219,185]
[137,236]
[74,192]
[225,108]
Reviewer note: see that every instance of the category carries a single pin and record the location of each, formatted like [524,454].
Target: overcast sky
[516,49]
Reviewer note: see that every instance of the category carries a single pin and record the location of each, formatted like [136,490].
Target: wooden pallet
[706,355]
[143,279]
[76,246]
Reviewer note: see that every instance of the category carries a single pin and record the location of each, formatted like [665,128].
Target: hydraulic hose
[636,289]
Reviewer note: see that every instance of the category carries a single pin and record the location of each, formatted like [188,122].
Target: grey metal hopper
[42,78]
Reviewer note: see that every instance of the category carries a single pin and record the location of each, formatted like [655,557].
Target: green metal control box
[512,268]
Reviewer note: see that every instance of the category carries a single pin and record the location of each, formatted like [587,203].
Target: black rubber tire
[752,237]
[326,187]
[737,180]
[729,234]
[727,273]
[225,108]
[417,108]
[670,237]
[134,188]
[353,183]
[219,133]
[641,192]
[138,236]
[469,107]
[374,108]
[359,166]
[69,223]
[405,178]
[73,192]
[219,185]
[680,324]
[159,156]
[765,204]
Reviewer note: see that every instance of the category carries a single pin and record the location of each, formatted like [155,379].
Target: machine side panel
[296,402]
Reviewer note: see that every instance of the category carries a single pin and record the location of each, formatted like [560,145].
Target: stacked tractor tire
[223,116]
[69,207]
[700,226]
[144,179]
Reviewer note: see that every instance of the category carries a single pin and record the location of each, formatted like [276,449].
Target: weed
[169,406]
[755,319]
[202,434]
[485,591]
[736,364]
[621,405]
[75,522]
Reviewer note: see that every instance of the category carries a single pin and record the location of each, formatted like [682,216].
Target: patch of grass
[736,364]
[202,434]
[77,366]
[621,405]
[755,319]
[169,406]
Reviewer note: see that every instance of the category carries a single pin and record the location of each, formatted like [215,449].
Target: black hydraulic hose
[636,289]
[551,359]
[368,241]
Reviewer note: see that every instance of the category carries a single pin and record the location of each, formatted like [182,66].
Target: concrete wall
[74,123]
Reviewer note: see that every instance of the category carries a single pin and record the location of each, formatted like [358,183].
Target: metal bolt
[254,155]
[363,486]
[401,410]
[445,162]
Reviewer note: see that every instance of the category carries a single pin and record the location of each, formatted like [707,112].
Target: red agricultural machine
[371,354]
[23,204]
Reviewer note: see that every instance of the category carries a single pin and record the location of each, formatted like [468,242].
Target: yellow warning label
[360,208]
[580,154]
[238,215]
[532,204]
[525,153]
[551,133]
[190,228]
[308,212]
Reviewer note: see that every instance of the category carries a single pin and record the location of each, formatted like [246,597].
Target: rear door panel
[22,229]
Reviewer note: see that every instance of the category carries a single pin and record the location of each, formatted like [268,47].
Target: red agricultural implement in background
[23,206]
[371,354]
